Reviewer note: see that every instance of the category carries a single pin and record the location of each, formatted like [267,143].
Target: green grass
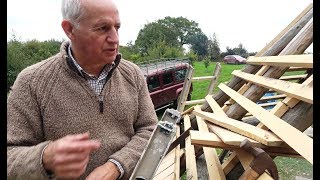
[200,87]
[289,168]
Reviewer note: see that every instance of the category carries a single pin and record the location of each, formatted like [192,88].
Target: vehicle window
[167,78]
[180,74]
[153,82]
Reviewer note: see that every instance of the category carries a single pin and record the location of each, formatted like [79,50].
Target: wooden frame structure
[220,121]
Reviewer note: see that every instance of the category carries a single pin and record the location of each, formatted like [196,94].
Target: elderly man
[83,113]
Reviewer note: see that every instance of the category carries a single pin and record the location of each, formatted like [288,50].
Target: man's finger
[78,146]
[78,137]
[70,158]
[72,169]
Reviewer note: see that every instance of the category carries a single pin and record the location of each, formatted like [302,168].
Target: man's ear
[68,29]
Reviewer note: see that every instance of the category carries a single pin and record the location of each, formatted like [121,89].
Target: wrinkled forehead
[99,9]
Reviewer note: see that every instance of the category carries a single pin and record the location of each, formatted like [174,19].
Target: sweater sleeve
[24,132]
[129,155]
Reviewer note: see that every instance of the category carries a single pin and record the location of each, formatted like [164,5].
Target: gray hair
[72,11]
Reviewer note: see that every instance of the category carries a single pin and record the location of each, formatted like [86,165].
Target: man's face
[96,40]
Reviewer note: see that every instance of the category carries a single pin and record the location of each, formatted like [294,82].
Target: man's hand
[108,171]
[68,157]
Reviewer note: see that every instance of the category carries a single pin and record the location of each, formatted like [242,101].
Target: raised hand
[68,156]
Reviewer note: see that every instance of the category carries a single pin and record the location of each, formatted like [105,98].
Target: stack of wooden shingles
[218,123]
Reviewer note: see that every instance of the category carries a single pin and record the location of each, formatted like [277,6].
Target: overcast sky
[254,23]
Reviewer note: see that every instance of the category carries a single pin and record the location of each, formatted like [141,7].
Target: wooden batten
[293,77]
[213,164]
[296,69]
[300,142]
[208,139]
[230,137]
[305,61]
[299,91]
[274,97]
[191,166]
[260,135]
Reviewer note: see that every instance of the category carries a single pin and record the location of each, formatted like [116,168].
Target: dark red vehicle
[165,81]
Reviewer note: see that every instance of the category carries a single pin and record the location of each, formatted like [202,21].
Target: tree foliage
[173,32]
[213,48]
[23,54]
[240,50]
[199,44]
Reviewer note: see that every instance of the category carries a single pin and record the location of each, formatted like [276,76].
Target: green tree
[240,50]
[23,54]
[192,57]
[161,50]
[183,28]
[199,44]
[174,32]
[206,62]
[129,52]
[213,48]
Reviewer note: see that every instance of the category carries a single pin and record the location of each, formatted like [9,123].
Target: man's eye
[102,28]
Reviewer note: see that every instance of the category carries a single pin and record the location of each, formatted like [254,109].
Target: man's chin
[110,60]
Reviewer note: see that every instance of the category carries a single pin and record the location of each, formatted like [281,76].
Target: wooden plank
[202,78]
[191,166]
[177,156]
[268,104]
[265,176]
[305,60]
[213,82]
[185,91]
[213,164]
[243,89]
[283,106]
[244,157]
[274,97]
[230,163]
[279,109]
[215,106]
[187,111]
[296,69]
[212,140]
[230,137]
[199,101]
[248,130]
[293,137]
[166,162]
[293,77]
[299,91]
[166,174]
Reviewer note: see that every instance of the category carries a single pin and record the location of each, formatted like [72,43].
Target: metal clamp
[166,127]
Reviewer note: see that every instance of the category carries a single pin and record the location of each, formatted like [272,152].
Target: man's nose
[113,36]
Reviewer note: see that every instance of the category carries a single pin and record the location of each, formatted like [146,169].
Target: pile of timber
[222,120]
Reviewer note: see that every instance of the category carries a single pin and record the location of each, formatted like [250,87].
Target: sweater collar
[72,66]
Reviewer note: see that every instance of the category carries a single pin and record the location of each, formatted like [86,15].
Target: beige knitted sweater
[50,100]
